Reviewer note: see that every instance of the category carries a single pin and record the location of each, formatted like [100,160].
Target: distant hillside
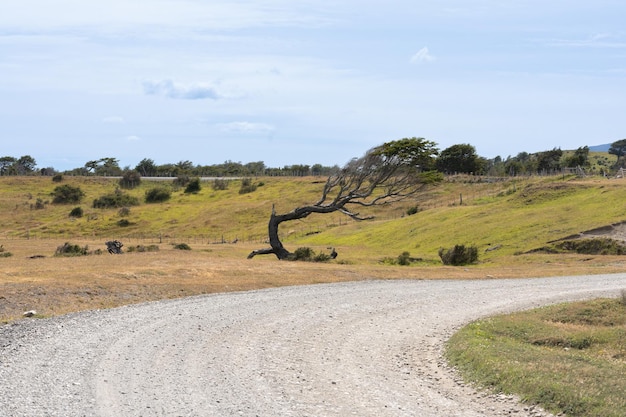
[600,148]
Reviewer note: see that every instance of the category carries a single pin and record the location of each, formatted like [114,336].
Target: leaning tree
[385,174]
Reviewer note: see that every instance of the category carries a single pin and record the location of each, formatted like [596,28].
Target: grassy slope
[514,216]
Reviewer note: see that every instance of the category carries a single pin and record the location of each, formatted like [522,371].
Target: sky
[305,81]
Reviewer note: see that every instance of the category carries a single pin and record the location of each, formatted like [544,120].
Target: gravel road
[370,348]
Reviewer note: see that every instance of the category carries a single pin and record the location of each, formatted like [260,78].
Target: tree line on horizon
[460,158]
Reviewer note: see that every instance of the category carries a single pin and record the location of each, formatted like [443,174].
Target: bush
[124,211]
[76,212]
[158,195]
[68,249]
[115,199]
[220,184]
[130,179]
[57,178]
[142,248]
[64,194]
[181,180]
[193,186]
[459,255]
[39,205]
[123,223]
[412,210]
[247,186]
[309,255]
[182,246]
[3,253]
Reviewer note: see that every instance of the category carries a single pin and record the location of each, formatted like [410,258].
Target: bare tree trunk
[277,247]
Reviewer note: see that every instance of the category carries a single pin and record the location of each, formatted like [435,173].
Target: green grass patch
[569,358]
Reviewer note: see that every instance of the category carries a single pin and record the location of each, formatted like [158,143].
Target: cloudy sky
[305,81]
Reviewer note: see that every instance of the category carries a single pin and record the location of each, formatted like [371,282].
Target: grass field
[571,358]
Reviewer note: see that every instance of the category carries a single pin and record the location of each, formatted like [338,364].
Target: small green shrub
[308,255]
[220,184]
[459,255]
[193,187]
[3,253]
[181,180]
[39,205]
[124,211]
[68,249]
[115,199]
[130,179]
[76,212]
[123,223]
[57,178]
[142,248]
[158,195]
[412,210]
[65,194]
[182,246]
[247,186]
[404,258]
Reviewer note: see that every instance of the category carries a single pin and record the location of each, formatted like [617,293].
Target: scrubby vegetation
[116,199]
[308,255]
[67,194]
[247,186]
[593,246]
[459,255]
[570,358]
[181,246]
[158,195]
[69,249]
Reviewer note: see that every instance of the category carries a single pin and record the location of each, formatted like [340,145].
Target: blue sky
[305,82]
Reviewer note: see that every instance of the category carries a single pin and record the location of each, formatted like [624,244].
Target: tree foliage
[460,158]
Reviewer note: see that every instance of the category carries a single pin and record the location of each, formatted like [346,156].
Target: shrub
[220,184]
[68,249]
[404,258]
[193,186]
[130,179]
[57,178]
[124,211]
[3,253]
[309,255]
[123,223]
[76,212]
[182,246]
[39,205]
[115,199]
[64,194]
[247,186]
[181,180]
[459,255]
[412,210]
[158,195]
[142,248]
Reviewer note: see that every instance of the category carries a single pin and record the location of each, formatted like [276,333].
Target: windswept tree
[385,174]
[618,148]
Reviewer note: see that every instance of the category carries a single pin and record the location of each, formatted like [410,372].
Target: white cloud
[133,138]
[423,55]
[246,127]
[170,89]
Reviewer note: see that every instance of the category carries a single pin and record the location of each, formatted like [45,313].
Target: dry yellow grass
[57,285]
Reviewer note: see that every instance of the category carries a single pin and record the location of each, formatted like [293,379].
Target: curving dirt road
[369,348]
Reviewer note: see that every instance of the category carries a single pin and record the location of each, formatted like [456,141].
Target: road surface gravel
[369,348]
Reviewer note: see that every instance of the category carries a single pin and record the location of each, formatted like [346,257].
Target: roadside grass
[569,358]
